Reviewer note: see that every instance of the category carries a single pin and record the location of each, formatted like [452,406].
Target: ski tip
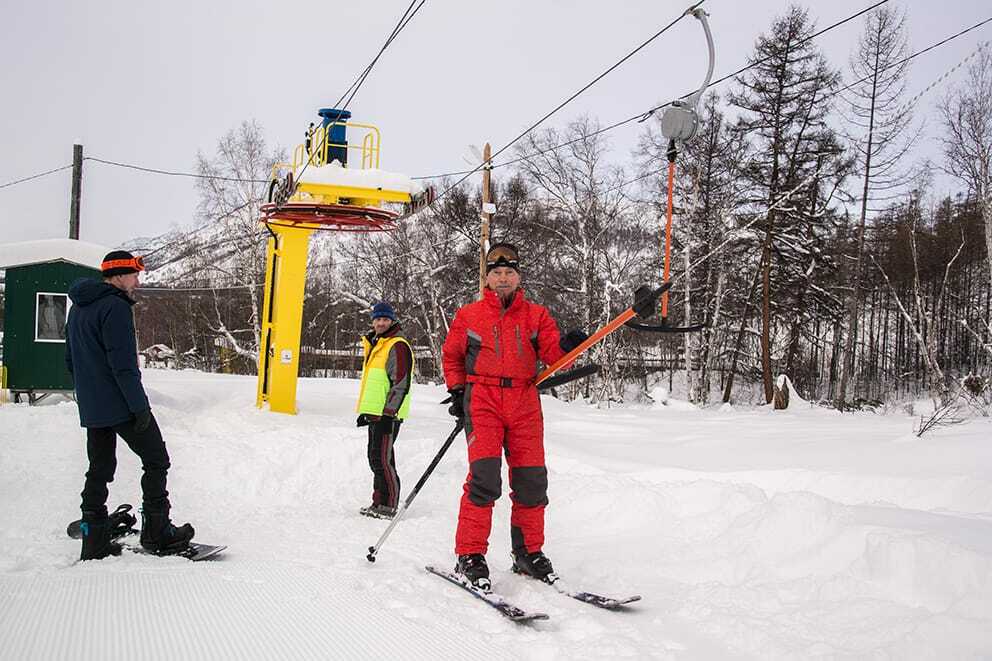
[621,604]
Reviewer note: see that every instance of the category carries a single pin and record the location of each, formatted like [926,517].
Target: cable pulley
[678,124]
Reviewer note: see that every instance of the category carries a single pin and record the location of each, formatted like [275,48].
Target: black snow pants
[101,447]
[385,479]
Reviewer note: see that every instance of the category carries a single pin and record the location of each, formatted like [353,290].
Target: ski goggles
[502,254]
[135,263]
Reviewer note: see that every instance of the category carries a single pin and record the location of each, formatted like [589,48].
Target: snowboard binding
[122,523]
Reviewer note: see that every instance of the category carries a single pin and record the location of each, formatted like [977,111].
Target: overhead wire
[35,176]
[173,173]
[917,54]
[642,116]
[568,100]
[638,117]
[645,115]
[910,102]
[402,23]
[405,19]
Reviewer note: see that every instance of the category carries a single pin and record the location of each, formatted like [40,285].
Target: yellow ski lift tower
[318,191]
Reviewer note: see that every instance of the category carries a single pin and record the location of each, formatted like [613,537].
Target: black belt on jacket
[501,381]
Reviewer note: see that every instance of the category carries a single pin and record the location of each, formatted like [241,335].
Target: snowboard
[123,523]
[194,551]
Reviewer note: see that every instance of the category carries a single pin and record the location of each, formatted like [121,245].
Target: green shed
[36,303]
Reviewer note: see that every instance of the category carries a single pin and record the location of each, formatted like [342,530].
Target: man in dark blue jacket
[102,356]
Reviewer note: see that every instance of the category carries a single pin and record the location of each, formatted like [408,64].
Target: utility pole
[487,210]
[77,186]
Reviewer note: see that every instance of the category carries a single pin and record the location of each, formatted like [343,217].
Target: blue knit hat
[383,309]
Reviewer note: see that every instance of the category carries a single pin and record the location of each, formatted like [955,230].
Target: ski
[609,603]
[505,608]
[644,300]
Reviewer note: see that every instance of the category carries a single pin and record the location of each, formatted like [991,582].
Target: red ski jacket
[493,345]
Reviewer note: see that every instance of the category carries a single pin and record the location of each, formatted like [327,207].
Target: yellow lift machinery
[318,191]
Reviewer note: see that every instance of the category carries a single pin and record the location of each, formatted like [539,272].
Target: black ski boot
[473,567]
[159,535]
[97,542]
[536,565]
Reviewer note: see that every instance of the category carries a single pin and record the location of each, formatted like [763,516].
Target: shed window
[51,312]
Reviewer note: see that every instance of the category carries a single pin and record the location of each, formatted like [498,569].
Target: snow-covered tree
[232,186]
[784,120]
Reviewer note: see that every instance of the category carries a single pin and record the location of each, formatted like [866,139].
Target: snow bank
[335,175]
[783,381]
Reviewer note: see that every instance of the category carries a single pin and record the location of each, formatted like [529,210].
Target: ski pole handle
[611,326]
[413,494]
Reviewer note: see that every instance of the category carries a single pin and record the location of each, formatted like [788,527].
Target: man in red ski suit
[490,358]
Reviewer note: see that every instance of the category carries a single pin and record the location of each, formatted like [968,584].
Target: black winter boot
[473,567]
[535,565]
[159,535]
[379,511]
[97,542]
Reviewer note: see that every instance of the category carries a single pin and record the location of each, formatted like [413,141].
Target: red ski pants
[501,420]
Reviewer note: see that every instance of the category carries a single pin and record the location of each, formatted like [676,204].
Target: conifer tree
[784,120]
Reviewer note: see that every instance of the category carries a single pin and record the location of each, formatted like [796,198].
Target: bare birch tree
[582,209]
[967,117]
[232,187]
[879,129]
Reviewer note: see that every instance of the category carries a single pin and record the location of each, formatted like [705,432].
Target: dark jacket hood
[89,290]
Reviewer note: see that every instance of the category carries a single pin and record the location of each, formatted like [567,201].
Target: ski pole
[413,494]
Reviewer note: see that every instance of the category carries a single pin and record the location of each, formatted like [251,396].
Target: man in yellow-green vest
[383,404]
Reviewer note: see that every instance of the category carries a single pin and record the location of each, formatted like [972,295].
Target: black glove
[572,339]
[362,421]
[457,408]
[142,419]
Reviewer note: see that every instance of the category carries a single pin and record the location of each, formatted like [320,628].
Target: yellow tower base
[282,318]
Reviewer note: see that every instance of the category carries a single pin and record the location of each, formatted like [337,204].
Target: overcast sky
[153,83]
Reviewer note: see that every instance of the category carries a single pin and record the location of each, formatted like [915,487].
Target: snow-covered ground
[749,533]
